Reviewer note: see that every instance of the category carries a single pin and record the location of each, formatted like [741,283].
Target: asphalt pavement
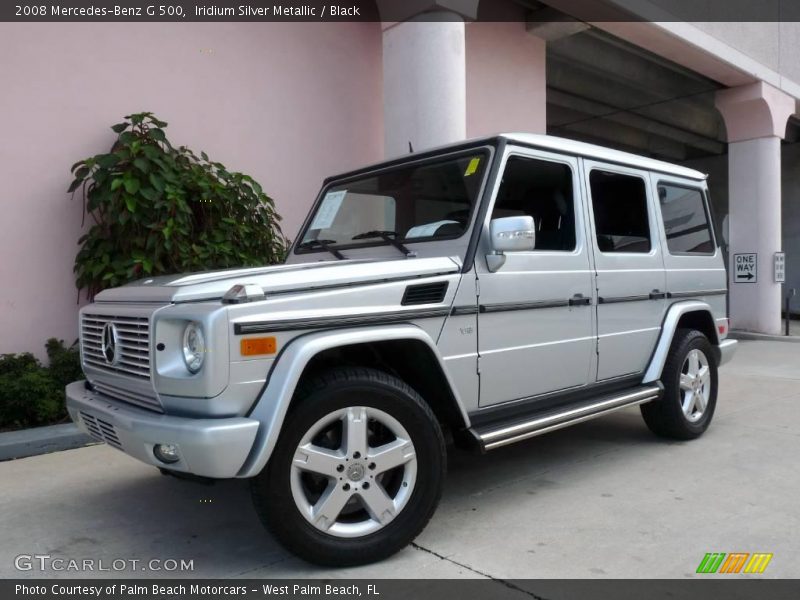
[602,499]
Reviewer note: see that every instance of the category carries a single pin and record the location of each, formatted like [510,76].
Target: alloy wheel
[695,385]
[353,471]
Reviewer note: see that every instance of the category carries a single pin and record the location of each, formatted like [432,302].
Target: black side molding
[399,316]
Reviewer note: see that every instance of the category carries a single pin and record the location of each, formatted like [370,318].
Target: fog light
[166,453]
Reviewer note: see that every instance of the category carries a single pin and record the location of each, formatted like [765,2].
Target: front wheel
[690,389]
[357,471]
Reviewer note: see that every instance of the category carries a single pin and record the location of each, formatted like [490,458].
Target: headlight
[194,347]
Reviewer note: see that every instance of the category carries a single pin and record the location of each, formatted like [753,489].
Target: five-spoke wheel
[357,471]
[690,388]
[353,471]
[695,384]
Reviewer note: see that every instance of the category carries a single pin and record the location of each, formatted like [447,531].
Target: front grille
[101,430]
[133,344]
[129,396]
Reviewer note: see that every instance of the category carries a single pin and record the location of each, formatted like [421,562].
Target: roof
[557,144]
[544,142]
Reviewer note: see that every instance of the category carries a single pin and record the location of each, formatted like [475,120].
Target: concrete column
[424,82]
[755,117]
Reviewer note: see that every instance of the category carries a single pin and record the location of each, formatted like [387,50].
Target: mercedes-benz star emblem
[109,342]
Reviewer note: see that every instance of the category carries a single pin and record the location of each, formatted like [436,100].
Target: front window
[425,201]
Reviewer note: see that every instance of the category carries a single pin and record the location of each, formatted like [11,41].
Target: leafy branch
[159,209]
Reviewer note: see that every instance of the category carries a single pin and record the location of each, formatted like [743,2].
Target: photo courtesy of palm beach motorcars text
[399,299]
[158,590]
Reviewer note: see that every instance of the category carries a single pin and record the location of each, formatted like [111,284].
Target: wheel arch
[375,346]
[691,315]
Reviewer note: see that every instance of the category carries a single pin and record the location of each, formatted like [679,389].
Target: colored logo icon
[735,562]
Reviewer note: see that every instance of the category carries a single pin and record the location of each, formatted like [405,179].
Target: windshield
[425,201]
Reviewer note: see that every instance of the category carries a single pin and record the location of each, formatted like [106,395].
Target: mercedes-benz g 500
[485,292]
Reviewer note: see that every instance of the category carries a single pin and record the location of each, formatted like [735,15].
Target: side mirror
[510,234]
[513,234]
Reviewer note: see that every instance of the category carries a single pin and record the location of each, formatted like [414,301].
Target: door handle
[657,295]
[579,300]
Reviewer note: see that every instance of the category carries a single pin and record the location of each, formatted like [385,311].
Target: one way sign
[745,268]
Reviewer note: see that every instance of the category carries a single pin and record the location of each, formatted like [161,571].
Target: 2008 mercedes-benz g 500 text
[494,290]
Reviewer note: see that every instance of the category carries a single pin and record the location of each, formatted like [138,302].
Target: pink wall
[288,105]
[506,81]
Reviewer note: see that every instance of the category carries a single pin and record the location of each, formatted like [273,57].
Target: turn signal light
[258,346]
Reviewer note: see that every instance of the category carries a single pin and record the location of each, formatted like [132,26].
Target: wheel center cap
[355,472]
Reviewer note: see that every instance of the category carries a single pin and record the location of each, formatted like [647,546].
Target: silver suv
[481,293]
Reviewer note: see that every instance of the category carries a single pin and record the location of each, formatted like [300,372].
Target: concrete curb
[763,337]
[41,440]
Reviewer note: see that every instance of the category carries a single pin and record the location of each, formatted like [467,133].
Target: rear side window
[686,221]
[619,203]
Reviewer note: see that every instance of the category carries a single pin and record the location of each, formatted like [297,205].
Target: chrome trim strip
[338,321]
[464,310]
[618,299]
[696,293]
[544,424]
[508,306]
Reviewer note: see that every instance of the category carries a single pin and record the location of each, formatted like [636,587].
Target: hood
[303,277]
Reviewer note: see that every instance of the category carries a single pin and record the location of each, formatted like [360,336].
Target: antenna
[410,148]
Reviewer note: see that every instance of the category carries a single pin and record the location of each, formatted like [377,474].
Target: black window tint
[542,190]
[619,203]
[685,219]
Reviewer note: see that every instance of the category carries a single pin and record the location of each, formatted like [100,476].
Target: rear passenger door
[629,267]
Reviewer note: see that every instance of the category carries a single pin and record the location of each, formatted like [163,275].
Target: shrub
[32,394]
[161,209]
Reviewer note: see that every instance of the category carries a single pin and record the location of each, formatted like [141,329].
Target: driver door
[536,320]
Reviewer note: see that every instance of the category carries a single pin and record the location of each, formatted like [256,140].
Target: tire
[685,412]
[335,505]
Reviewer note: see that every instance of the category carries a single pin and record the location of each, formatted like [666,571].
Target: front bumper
[208,447]
[727,348]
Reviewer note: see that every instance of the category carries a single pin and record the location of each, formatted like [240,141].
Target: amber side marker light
[258,346]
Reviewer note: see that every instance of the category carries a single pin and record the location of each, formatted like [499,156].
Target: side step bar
[495,435]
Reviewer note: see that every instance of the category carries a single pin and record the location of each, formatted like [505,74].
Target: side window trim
[577,196]
[710,223]
[653,225]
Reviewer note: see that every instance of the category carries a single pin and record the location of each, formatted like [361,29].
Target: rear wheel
[690,389]
[357,471]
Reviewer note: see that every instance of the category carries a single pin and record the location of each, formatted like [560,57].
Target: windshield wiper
[325,245]
[389,237]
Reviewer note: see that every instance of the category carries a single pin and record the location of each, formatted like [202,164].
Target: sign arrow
[748,276]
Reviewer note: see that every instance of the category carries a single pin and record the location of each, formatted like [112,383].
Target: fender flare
[273,403]
[670,325]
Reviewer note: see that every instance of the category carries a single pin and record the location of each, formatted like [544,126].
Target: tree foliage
[161,209]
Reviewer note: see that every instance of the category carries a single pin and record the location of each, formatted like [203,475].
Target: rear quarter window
[686,220]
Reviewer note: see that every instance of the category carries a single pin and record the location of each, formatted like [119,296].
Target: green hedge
[32,394]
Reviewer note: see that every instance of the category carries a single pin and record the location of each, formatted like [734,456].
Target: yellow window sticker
[472,166]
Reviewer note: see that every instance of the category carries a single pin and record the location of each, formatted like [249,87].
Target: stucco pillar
[424,82]
[755,116]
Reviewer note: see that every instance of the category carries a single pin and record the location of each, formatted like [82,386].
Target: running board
[495,435]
